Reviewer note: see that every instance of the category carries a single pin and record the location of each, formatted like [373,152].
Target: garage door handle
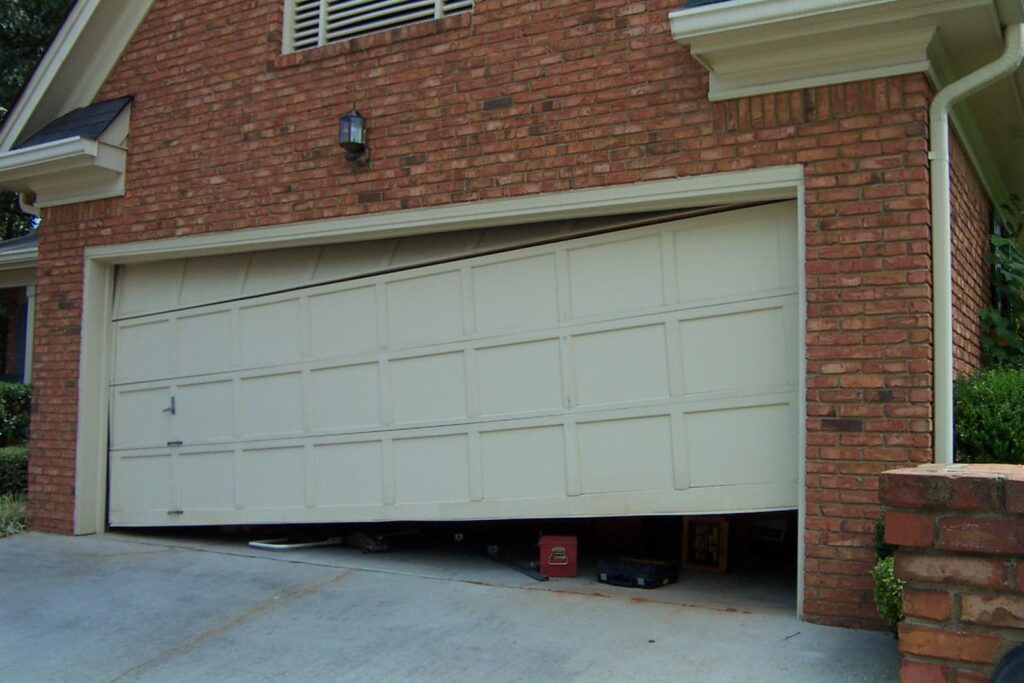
[175,443]
[172,410]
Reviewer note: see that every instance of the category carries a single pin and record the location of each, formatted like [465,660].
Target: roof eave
[64,171]
[75,65]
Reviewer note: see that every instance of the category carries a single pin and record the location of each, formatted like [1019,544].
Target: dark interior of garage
[751,560]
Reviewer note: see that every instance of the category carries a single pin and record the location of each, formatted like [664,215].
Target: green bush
[888,592]
[12,514]
[14,469]
[990,417]
[15,405]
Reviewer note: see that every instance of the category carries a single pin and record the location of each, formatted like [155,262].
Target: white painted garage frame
[100,263]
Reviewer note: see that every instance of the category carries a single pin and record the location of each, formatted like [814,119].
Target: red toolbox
[558,555]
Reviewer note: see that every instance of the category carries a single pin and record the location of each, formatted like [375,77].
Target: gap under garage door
[650,370]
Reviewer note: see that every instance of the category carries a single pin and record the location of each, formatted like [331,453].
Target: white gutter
[942,276]
[19,258]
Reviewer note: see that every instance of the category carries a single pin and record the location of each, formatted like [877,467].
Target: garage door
[644,371]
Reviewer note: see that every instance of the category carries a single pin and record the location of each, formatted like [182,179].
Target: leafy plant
[990,416]
[15,413]
[1002,326]
[12,514]
[888,592]
[13,469]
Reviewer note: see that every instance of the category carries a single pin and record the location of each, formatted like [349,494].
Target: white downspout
[942,279]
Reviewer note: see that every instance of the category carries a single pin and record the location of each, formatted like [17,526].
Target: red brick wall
[227,134]
[972,281]
[960,532]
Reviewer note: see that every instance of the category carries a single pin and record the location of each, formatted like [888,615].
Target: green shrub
[990,417]
[15,405]
[12,514]
[888,592]
[14,469]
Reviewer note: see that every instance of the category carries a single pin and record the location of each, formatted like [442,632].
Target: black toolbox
[637,573]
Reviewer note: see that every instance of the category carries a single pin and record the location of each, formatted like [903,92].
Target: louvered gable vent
[318,22]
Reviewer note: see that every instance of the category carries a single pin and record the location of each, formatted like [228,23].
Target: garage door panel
[520,378]
[206,480]
[344,323]
[270,333]
[567,378]
[621,366]
[142,483]
[523,463]
[753,252]
[272,405]
[755,343]
[274,477]
[144,288]
[346,397]
[425,309]
[206,342]
[429,388]
[279,269]
[742,445]
[145,351]
[349,473]
[623,275]
[528,305]
[205,410]
[214,279]
[432,469]
[141,418]
[626,455]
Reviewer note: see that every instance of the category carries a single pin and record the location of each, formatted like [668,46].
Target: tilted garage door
[645,371]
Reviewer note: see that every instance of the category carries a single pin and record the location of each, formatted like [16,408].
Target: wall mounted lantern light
[352,136]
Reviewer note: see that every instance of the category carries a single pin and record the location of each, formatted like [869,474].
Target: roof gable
[75,65]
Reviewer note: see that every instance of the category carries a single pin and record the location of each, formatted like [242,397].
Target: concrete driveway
[119,608]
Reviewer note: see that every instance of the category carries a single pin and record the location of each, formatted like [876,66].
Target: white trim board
[677,193]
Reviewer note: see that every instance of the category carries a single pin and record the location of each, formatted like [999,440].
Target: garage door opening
[642,370]
[758,571]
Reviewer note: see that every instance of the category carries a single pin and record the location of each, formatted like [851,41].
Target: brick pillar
[960,536]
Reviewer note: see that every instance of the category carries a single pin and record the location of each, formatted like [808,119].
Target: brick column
[960,536]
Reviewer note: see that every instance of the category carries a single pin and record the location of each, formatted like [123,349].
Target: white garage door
[645,371]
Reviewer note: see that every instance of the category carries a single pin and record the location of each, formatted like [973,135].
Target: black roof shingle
[87,122]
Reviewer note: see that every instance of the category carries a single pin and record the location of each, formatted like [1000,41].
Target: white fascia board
[18,167]
[64,171]
[768,16]
[753,47]
[75,65]
[18,259]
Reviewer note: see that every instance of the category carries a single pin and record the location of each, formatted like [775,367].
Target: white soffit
[71,170]
[759,46]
